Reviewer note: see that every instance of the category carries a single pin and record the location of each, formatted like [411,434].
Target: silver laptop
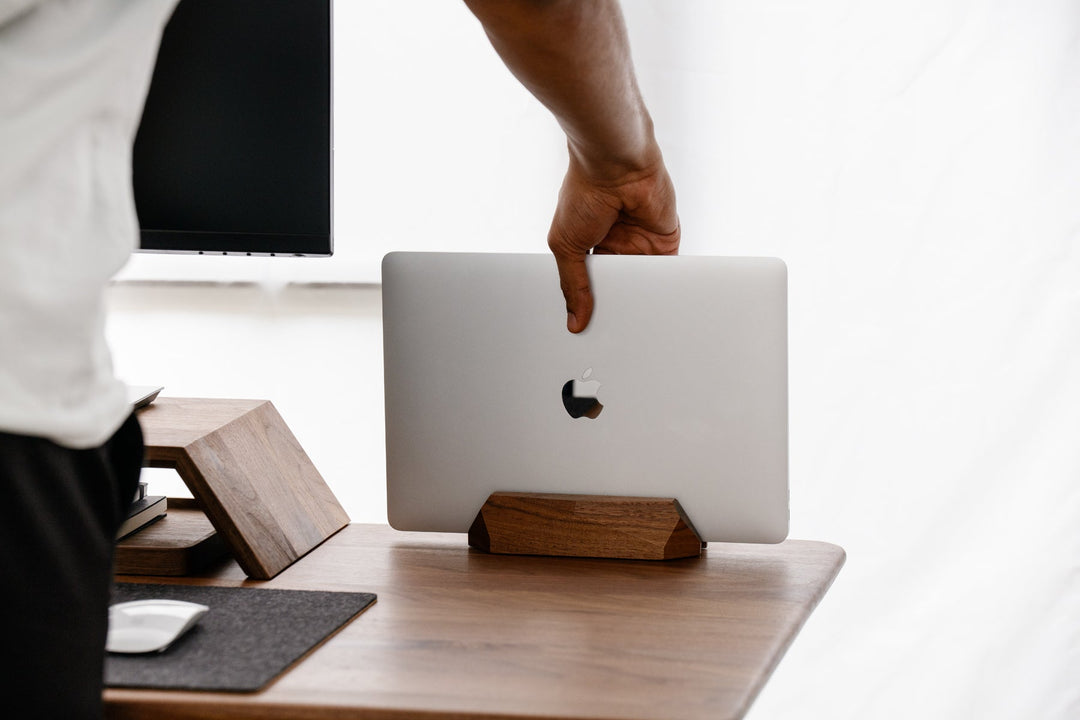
[678,387]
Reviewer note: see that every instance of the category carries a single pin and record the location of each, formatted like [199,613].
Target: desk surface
[457,633]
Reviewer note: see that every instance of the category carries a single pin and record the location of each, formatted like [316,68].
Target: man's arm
[617,197]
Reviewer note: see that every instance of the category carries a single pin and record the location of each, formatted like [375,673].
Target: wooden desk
[458,633]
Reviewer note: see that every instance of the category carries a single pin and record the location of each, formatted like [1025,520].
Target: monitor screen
[233,154]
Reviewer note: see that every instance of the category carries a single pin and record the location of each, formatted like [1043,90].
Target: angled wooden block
[249,475]
[602,526]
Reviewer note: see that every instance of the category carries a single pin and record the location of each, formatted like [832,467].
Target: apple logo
[580,397]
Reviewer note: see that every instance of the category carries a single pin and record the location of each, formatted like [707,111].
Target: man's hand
[574,56]
[632,214]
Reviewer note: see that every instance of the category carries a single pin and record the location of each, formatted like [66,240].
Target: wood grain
[458,633]
[256,484]
[602,526]
[181,543]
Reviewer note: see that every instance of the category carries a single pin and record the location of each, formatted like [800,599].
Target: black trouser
[59,513]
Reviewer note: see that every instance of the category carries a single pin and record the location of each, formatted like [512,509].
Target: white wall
[916,164]
[314,351]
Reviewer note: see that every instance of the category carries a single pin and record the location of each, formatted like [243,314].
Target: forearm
[574,56]
[617,197]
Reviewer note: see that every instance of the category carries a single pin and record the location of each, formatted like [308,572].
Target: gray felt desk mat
[246,639]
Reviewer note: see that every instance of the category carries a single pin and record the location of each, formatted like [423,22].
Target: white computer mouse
[143,626]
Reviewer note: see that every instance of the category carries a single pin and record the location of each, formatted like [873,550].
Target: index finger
[576,289]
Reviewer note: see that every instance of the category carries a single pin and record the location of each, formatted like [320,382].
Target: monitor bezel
[252,244]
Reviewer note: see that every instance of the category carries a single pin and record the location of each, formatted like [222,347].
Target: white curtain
[917,165]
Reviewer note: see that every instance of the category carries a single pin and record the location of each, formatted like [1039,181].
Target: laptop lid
[678,387]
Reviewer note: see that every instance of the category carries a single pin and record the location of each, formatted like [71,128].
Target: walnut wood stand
[249,475]
[599,526]
[180,543]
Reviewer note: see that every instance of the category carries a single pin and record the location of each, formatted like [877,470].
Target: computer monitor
[234,151]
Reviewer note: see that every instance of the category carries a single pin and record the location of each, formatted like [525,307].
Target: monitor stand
[247,473]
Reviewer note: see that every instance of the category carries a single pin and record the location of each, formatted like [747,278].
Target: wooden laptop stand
[248,474]
[636,528]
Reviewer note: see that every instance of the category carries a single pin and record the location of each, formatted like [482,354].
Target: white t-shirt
[73,78]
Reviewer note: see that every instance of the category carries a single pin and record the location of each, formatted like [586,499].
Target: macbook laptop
[139,396]
[678,387]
